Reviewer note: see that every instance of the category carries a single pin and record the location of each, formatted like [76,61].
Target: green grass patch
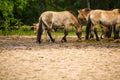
[23,30]
[16,32]
[26,30]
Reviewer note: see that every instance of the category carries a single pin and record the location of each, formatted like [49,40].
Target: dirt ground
[22,59]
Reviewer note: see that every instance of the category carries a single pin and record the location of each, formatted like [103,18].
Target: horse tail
[88,27]
[40,30]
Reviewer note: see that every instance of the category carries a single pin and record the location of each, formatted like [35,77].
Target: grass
[25,30]
[29,32]
[16,32]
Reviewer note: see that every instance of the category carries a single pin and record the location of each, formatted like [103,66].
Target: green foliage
[25,28]
[26,12]
[7,18]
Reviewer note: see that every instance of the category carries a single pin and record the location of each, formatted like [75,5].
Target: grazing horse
[35,27]
[109,18]
[83,17]
[52,20]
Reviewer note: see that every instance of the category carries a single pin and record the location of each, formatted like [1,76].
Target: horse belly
[108,22]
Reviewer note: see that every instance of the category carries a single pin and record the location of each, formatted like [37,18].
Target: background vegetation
[16,13]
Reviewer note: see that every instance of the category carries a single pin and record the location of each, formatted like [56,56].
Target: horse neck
[77,25]
[86,15]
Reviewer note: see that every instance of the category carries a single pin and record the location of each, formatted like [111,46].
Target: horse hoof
[102,37]
[98,40]
[86,38]
[38,42]
[91,36]
[116,37]
[63,40]
[78,40]
[53,40]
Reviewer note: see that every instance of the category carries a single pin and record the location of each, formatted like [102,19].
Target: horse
[109,18]
[35,27]
[51,20]
[83,17]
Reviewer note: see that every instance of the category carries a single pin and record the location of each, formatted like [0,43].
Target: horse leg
[96,34]
[102,36]
[103,31]
[109,31]
[46,36]
[49,34]
[40,31]
[88,28]
[39,36]
[79,33]
[65,34]
[91,33]
[116,32]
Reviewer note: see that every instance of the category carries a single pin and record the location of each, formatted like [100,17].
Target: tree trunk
[88,4]
[43,5]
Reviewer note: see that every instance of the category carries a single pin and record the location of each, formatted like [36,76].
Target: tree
[88,4]
[15,12]
[43,5]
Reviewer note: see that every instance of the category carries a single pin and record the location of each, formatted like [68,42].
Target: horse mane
[87,9]
[118,10]
[72,12]
[75,15]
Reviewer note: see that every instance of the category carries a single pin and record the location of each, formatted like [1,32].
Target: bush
[25,28]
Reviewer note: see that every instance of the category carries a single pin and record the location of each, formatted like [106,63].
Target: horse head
[82,15]
[35,26]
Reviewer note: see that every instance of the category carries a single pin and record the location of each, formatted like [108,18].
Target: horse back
[47,16]
[58,19]
[105,16]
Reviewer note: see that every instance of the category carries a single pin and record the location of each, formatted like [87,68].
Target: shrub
[25,28]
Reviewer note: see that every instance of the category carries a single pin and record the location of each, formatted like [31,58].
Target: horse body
[52,20]
[108,18]
[105,17]
[58,19]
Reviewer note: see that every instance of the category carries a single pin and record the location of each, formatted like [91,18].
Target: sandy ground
[22,59]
